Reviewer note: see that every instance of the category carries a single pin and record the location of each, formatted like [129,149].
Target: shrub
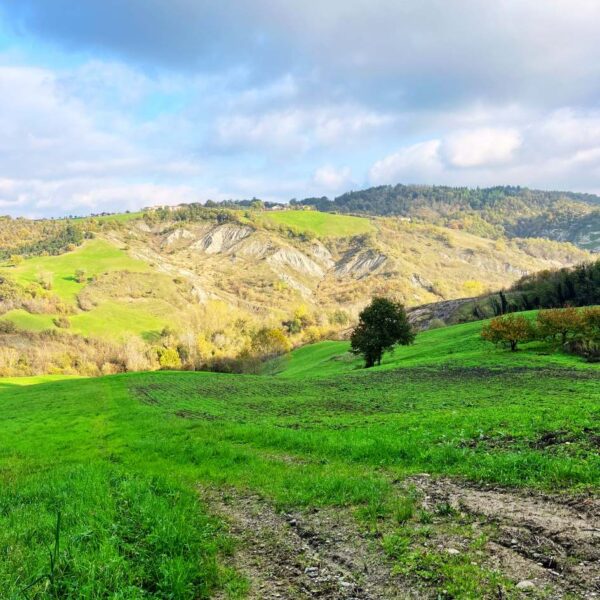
[7,327]
[62,322]
[80,276]
[559,322]
[436,323]
[269,342]
[168,358]
[46,280]
[509,330]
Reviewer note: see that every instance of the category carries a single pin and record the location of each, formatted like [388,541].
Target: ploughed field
[454,470]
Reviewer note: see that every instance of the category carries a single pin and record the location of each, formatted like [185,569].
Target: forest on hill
[491,212]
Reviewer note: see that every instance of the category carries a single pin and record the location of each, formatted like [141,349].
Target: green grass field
[121,457]
[112,320]
[459,345]
[320,224]
[94,257]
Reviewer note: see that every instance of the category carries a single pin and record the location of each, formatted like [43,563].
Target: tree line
[575,330]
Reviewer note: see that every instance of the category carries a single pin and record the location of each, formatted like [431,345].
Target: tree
[510,330]
[559,321]
[269,342]
[80,276]
[381,326]
[257,204]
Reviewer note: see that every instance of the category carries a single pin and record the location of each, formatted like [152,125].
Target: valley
[453,470]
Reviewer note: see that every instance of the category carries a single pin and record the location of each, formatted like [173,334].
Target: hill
[194,286]
[194,485]
[490,212]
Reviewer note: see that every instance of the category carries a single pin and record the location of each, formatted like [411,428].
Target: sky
[112,105]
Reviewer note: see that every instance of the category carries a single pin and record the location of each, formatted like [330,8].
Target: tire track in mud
[316,554]
[552,541]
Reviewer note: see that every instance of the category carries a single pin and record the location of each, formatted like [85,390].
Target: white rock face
[322,254]
[293,258]
[178,234]
[360,264]
[253,248]
[221,239]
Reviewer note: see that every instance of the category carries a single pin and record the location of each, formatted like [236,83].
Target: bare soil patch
[315,554]
[552,541]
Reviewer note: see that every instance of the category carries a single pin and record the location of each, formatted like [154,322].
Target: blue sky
[118,104]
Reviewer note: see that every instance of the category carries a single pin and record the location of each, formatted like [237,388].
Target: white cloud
[481,147]
[329,179]
[418,163]
[298,129]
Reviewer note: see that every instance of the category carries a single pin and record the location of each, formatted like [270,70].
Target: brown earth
[549,544]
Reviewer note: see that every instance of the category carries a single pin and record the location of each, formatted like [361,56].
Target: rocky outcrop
[360,263]
[419,280]
[178,235]
[221,239]
[290,257]
[320,252]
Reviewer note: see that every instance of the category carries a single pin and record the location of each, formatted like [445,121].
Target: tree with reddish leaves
[509,330]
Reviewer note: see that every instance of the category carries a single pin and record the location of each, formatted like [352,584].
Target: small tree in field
[509,330]
[381,326]
[80,276]
[559,321]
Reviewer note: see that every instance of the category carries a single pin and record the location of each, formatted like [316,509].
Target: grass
[35,379]
[121,457]
[454,346]
[94,257]
[110,319]
[320,224]
[117,217]
[117,320]
[28,321]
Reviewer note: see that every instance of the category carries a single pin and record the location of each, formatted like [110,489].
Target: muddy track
[319,554]
[552,541]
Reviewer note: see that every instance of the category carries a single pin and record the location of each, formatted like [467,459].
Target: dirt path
[551,541]
[549,545]
[319,554]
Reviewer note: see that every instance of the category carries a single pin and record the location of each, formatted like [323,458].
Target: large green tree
[381,326]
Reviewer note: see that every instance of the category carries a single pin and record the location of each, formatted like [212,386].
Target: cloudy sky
[117,104]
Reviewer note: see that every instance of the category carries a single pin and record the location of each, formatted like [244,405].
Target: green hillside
[320,224]
[447,347]
[94,257]
[106,317]
[129,461]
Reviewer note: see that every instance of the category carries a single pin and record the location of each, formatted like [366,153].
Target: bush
[168,358]
[62,322]
[509,330]
[436,324]
[563,322]
[80,276]
[269,342]
[7,327]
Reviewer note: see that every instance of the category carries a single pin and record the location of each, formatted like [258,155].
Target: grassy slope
[95,257]
[320,224]
[458,346]
[112,319]
[121,456]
